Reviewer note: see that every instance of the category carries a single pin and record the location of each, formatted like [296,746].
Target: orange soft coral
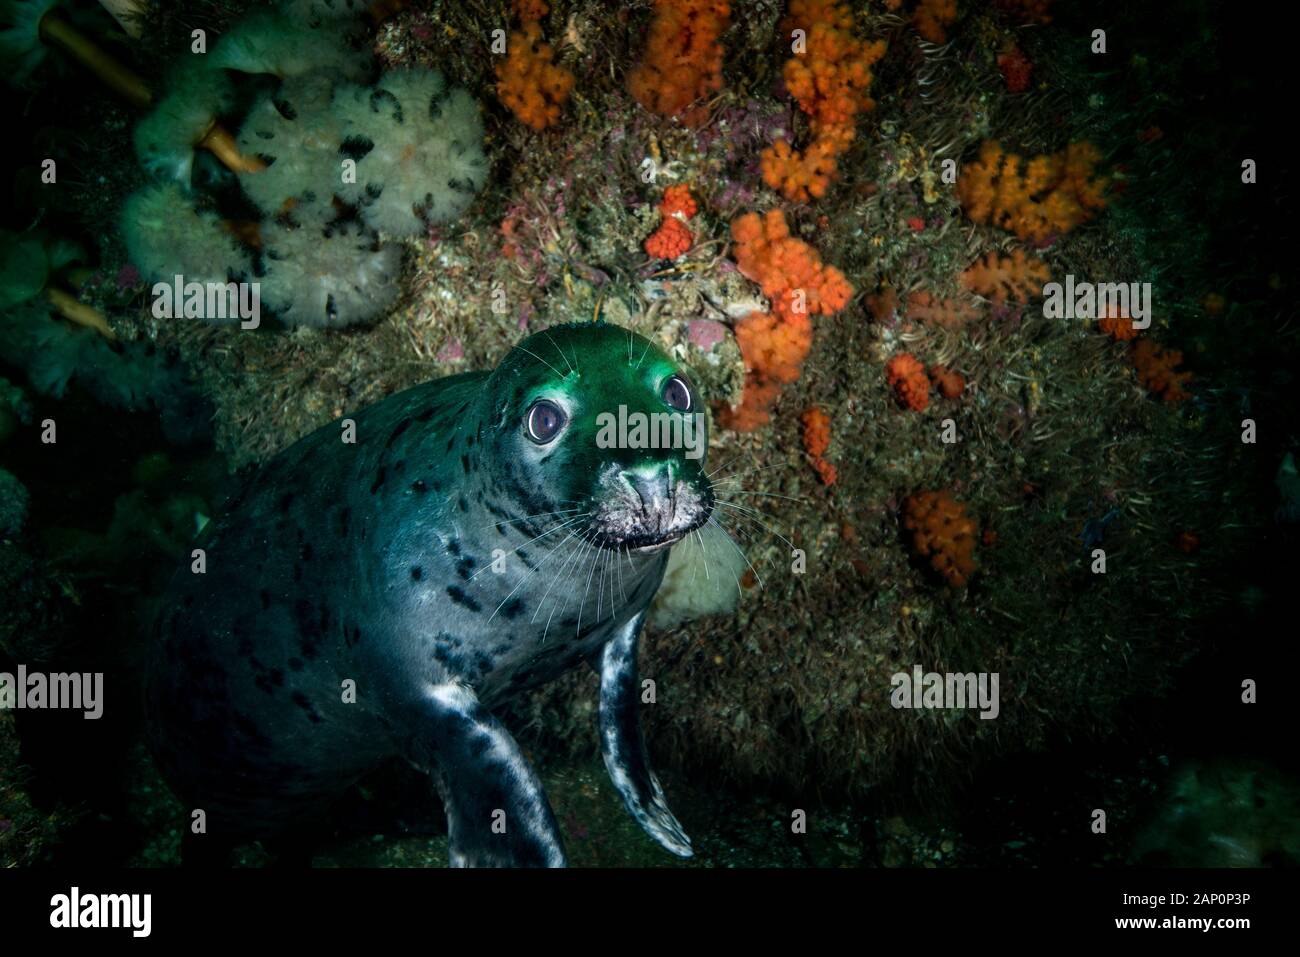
[682,62]
[1038,199]
[670,240]
[816,440]
[753,412]
[678,201]
[790,271]
[931,16]
[774,348]
[950,384]
[906,374]
[799,285]
[1026,11]
[1119,327]
[1017,71]
[1018,277]
[528,10]
[1157,369]
[799,175]
[829,78]
[943,533]
[933,311]
[528,82]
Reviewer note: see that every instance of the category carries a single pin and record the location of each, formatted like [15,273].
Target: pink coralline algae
[704,334]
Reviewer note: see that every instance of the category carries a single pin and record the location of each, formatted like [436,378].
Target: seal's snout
[655,493]
[648,507]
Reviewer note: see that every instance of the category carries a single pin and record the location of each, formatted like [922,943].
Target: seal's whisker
[513,521]
[757,577]
[643,354]
[747,491]
[734,576]
[695,570]
[600,589]
[560,351]
[747,512]
[541,360]
[563,568]
[750,536]
[517,548]
[614,567]
[576,552]
[738,475]
[530,574]
[590,539]
[583,604]
[619,568]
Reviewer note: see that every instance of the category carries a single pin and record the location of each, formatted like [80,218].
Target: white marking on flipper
[652,813]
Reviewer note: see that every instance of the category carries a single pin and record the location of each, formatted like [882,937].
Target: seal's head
[596,426]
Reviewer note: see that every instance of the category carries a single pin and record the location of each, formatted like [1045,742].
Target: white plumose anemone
[425,163]
[327,276]
[165,139]
[277,42]
[296,134]
[167,236]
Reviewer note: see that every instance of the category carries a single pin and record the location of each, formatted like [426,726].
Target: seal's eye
[544,421]
[677,394]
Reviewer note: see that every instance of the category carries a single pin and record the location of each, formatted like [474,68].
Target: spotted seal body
[474,541]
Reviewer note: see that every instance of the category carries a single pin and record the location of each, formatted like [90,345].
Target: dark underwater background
[1120,692]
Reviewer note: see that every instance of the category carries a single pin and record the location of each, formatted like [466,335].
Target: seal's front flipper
[497,813]
[623,746]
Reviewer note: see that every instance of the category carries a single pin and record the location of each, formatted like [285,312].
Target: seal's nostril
[652,488]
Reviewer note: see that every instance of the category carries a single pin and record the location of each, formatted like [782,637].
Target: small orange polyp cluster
[528,10]
[829,77]
[950,384]
[931,16]
[670,240]
[1118,327]
[1157,369]
[528,82]
[1039,199]
[673,238]
[1026,11]
[678,201]
[793,277]
[816,440]
[682,62]
[911,385]
[943,533]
